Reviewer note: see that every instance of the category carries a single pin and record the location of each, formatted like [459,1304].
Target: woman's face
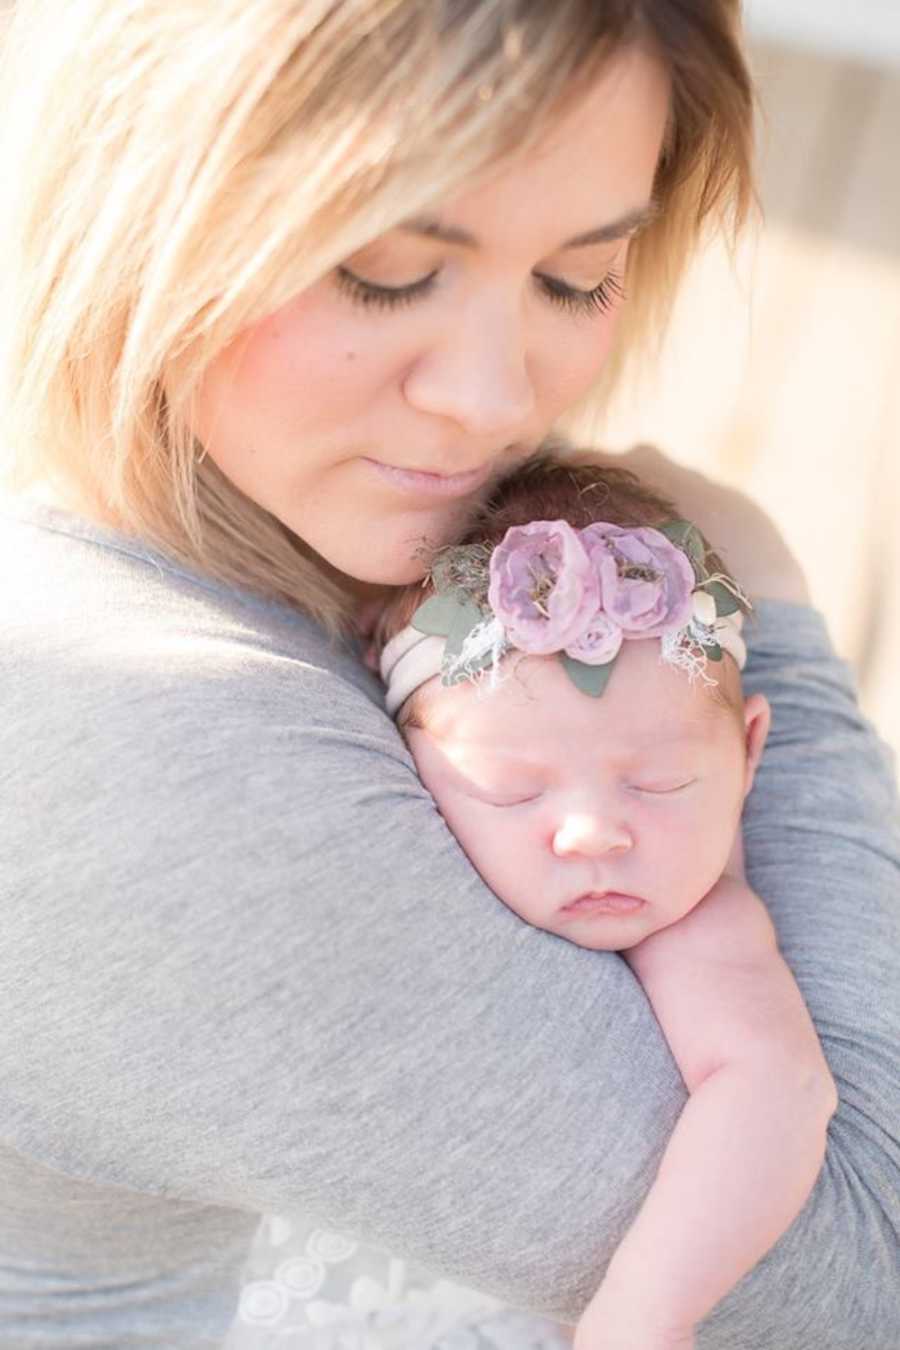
[372,411]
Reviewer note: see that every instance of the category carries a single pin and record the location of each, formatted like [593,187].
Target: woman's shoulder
[88,599]
[777,627]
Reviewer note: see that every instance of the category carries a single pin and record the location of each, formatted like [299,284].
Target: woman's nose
[476,375]
[590,834]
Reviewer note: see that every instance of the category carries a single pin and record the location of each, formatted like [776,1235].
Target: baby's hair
[577,490]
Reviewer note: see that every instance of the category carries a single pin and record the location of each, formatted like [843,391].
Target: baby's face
[599,819]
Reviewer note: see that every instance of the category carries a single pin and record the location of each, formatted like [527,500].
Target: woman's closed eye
[599,299]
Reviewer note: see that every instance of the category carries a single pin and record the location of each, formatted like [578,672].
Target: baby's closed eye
[662,789]
[504,799]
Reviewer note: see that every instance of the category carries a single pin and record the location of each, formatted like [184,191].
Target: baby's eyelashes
[501,793]
[661,788]
[495,799]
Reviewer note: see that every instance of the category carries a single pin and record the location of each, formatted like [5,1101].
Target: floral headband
[548,588]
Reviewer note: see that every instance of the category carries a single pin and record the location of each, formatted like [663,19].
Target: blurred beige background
[781,374]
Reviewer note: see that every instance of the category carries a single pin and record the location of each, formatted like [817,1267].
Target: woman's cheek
[577,363]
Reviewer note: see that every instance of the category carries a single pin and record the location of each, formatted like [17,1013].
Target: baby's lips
[603,902]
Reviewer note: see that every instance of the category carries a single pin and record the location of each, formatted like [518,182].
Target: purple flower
[645,581]
[543,587]
[599,643]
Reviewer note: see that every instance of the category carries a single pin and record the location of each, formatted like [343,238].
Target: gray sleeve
[268,978]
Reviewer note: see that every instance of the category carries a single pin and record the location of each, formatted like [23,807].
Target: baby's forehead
[532,704]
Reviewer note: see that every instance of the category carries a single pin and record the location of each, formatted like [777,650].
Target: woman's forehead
[593,170]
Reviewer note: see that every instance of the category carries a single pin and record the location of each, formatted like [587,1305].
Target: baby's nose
[592,834]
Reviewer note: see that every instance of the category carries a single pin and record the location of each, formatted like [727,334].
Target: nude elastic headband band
[412,658]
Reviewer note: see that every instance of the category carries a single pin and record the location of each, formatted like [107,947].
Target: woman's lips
[609,902]
[421,483]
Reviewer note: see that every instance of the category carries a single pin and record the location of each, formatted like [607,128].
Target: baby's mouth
[603,902]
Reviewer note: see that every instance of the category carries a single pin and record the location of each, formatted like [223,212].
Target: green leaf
[466,616]
[725,601]
[713,651]
[590,680]
[472,668]
[685,535]
[436,615]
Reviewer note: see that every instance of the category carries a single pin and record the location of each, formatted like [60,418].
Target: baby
[568,682]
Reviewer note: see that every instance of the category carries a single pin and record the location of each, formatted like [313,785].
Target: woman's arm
[252,968]
[750,1142]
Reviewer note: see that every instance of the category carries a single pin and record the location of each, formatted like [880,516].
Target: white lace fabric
[309,1288]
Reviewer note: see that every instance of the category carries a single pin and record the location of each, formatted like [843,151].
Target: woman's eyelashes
[599,300]
[372,296]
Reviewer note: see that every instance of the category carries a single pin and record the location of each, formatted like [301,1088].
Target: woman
[288,287]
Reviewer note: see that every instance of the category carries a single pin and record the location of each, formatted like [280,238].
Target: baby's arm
[749,1144]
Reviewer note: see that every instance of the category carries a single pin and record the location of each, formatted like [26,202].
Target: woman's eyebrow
[632,221]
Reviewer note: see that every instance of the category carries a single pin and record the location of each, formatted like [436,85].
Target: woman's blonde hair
[176,171]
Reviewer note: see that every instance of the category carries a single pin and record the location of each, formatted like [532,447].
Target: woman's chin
[391,553]
[377,567]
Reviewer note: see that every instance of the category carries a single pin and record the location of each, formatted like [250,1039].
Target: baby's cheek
[709,860]
[510,879]
[485,842]
[690,861]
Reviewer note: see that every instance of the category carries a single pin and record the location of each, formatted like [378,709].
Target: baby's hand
[615,1321]
[628,1334]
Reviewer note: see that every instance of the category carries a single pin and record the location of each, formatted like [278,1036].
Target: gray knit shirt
[245,967]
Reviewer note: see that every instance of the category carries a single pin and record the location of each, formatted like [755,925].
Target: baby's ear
[757,720]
